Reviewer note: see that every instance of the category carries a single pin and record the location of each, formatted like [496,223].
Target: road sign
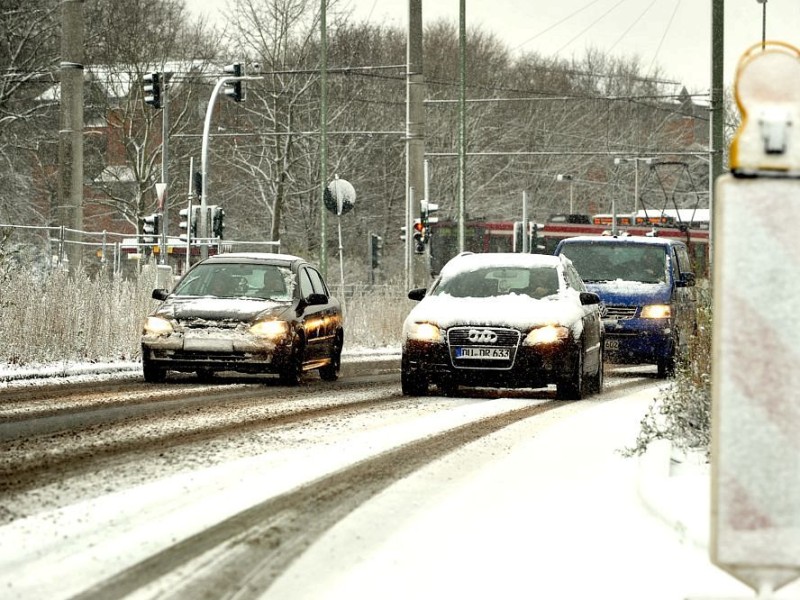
[161,190]
[755,512]
[340,196]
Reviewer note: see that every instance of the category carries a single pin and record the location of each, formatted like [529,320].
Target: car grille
[505,340]
[616,311]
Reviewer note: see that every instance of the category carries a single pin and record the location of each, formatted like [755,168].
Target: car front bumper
[217,350]
[635,341]
[530,366]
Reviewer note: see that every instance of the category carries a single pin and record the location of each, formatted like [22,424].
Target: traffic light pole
[202,225]
[164,170]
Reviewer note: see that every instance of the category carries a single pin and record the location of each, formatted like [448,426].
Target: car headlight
[549,334]
[156,326]
[424,332]
[656,311]
[270,329]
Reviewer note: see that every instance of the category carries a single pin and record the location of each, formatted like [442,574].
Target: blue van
[645,285]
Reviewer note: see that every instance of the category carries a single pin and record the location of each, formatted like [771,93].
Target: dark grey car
[245,312]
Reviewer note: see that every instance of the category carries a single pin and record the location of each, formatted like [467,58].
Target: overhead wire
[632,25]
[591,25]
[664,36]
[557,23]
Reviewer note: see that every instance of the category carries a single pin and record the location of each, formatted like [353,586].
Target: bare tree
[28,55]
[126,40]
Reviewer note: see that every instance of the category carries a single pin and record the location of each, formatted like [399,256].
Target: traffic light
[188,226]
[375,247]
[235,89]
[152,89]
[425,212]
[151,228]
[217,221]
[419,237]
[403,233]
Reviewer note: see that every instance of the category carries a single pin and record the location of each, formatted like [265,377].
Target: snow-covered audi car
[504,320]
[245,312]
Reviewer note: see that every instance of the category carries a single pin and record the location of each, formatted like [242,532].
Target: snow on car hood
[633,293]
[517,311]
[219,309]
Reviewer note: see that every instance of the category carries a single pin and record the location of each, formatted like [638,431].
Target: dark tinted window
[317,283]
[608,262]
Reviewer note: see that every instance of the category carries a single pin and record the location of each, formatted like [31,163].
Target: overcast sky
[675,34]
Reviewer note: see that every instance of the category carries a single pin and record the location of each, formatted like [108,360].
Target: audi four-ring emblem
[482,336]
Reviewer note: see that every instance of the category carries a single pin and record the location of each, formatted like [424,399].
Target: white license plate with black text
[483,352]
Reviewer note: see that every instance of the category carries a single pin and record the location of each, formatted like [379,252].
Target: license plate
[612,344]
[482,352]
[207,344]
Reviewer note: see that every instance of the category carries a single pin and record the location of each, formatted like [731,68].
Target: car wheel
[572,388]
[289,373]
[666,366]
[205,374]
[153,373]
[330,372]
[413,383]
[447,387]
[597,380]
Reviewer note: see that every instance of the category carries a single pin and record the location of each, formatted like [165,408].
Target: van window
[610,262]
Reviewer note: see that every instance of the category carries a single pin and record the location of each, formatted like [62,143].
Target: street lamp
[563,177]
[763,22]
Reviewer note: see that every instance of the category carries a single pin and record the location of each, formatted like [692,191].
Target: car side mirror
[687,280]
[417,293]
[316,299]
[160,294]
[588,298]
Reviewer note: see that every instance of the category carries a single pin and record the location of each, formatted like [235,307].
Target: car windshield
[236,280]
[609,262]
[537,282]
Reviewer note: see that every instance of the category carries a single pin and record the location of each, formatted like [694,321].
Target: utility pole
[462,126]
[415,124]
[164,199]
[323,128]
[717,116]
[70,136]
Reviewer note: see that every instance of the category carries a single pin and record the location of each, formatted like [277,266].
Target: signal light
[151,228]
[217,221]
[419,237]
[376,247]
[152,89]
[188,226]
[234,89]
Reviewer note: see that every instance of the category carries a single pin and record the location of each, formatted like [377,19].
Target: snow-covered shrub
[682,413]
[55,316]
[374,316]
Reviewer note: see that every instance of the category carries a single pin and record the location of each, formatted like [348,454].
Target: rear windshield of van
[609,262]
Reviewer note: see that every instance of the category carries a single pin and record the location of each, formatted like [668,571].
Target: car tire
[573,386]
[666,367]
[598,379]
[413,383]
[330,372]
[290,372]
[447,387]
[153,373]
[205,375]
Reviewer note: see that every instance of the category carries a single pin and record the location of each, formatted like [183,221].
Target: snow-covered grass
[52,318]
[55,317]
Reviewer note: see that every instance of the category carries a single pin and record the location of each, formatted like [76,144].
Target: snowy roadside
[68,369]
